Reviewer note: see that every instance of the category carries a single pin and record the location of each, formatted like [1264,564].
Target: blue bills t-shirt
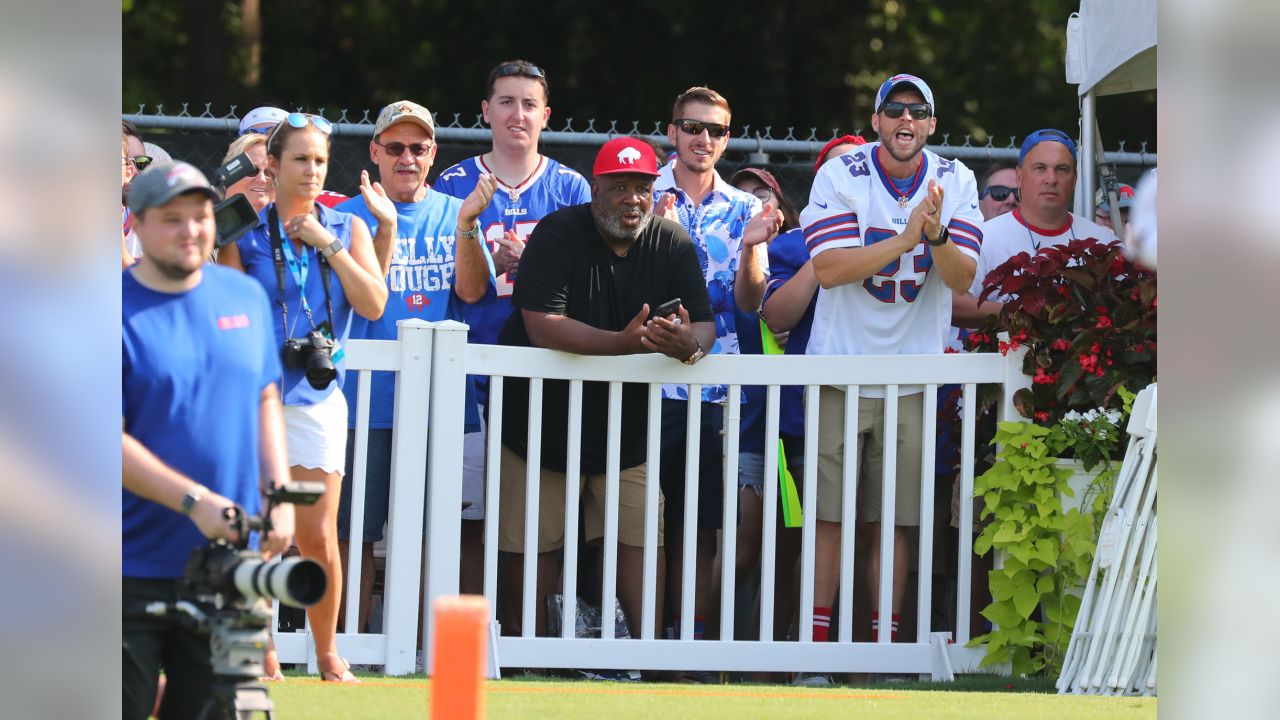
[420,285]
[194,367]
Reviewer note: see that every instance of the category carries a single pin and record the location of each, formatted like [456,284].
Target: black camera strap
[277,257]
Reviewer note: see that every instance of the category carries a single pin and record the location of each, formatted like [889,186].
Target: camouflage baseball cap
[402,111]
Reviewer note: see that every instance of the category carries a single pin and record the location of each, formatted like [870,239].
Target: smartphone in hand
[670,307]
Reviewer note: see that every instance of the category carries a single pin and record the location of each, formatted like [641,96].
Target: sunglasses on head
[300,120]
[396,149]
[526,70]
[1000,193]
[695,127]
[894,110]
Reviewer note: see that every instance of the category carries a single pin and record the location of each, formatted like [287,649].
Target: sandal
[345,676]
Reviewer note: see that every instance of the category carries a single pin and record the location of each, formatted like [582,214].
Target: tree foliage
[996,67]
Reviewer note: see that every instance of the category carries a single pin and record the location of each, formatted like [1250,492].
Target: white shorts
[473,473]
[317,434]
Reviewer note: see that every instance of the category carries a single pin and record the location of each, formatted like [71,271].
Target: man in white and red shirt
[1046,182]
[893,231]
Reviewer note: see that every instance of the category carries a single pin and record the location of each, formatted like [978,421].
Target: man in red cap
[591,276]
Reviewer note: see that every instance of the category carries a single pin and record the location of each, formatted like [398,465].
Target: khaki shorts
[551,491]
[870,456]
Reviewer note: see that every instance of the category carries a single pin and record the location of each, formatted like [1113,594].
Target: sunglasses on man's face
[894,110]
[1000,193]
[695,127]
[396,149]
[141,162]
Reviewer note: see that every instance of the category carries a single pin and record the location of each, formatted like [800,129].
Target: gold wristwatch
[697,354]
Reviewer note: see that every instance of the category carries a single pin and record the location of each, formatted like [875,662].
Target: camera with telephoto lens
[313,355]
[227,589]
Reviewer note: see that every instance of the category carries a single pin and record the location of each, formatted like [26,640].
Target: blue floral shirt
[716,226]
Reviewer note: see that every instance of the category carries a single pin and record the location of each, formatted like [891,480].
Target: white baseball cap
[261,116]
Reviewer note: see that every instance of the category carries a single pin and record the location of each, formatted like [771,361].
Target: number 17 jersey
[905,308]
[550,187]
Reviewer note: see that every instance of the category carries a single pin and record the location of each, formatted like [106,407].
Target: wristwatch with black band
[697,354]
[943,237]
[192,497]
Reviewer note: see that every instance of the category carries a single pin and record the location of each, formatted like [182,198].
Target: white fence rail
[431,361]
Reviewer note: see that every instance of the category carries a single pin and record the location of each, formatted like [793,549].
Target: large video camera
[228,587]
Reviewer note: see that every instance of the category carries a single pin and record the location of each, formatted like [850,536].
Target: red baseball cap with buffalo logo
[626,155]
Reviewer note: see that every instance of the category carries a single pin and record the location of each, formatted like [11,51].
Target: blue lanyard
[298,267]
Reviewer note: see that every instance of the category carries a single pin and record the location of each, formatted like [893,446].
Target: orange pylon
[457,679]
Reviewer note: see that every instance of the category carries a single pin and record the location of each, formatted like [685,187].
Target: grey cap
[164,181]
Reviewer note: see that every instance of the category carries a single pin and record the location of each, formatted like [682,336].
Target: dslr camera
[313,355]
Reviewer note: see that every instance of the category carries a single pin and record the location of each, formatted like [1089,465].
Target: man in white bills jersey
[530,187]
[893,230]
[1047,183]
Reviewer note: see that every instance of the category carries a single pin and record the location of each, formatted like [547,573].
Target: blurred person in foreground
[1046,177]
[434,261]
[202,429]
[590,278]
[319,267]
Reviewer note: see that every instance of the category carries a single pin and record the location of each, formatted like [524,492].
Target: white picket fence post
[408,492]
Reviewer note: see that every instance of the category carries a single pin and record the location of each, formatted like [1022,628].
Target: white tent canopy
[1111,46]
[1111,49]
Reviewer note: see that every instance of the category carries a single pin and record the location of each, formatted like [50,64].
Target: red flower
[1095,348]
[1060,344]
[1103,322]
[1042,416]
[1102,310]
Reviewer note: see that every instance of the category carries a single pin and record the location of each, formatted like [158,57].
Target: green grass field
[378,697]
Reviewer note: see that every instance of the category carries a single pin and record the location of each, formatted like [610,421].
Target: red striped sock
[893,630]
[821,624]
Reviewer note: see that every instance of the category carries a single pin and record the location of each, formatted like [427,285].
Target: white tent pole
[1088,164]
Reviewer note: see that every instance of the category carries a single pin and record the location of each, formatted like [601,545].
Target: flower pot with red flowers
[1087,317]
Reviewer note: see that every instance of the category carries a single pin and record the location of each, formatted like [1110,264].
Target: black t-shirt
[568,269]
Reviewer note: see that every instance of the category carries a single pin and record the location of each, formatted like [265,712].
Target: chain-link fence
[201,138]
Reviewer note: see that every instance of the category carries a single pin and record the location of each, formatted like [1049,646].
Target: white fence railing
[431,361]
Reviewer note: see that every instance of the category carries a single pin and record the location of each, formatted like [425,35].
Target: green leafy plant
[1047,551]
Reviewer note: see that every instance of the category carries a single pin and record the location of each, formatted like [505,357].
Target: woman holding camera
[318,267]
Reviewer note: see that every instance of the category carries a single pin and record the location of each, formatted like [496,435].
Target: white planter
[1079,482]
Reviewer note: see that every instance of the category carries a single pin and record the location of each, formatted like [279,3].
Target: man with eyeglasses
[998,189]
[432,266]
[730,230]
[893,230]
[530,186]
[1046,179]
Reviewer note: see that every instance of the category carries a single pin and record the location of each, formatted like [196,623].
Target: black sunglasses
[525,70]
[695,127]
[919,111]
[142,162]
[396,149]
[1000,193]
